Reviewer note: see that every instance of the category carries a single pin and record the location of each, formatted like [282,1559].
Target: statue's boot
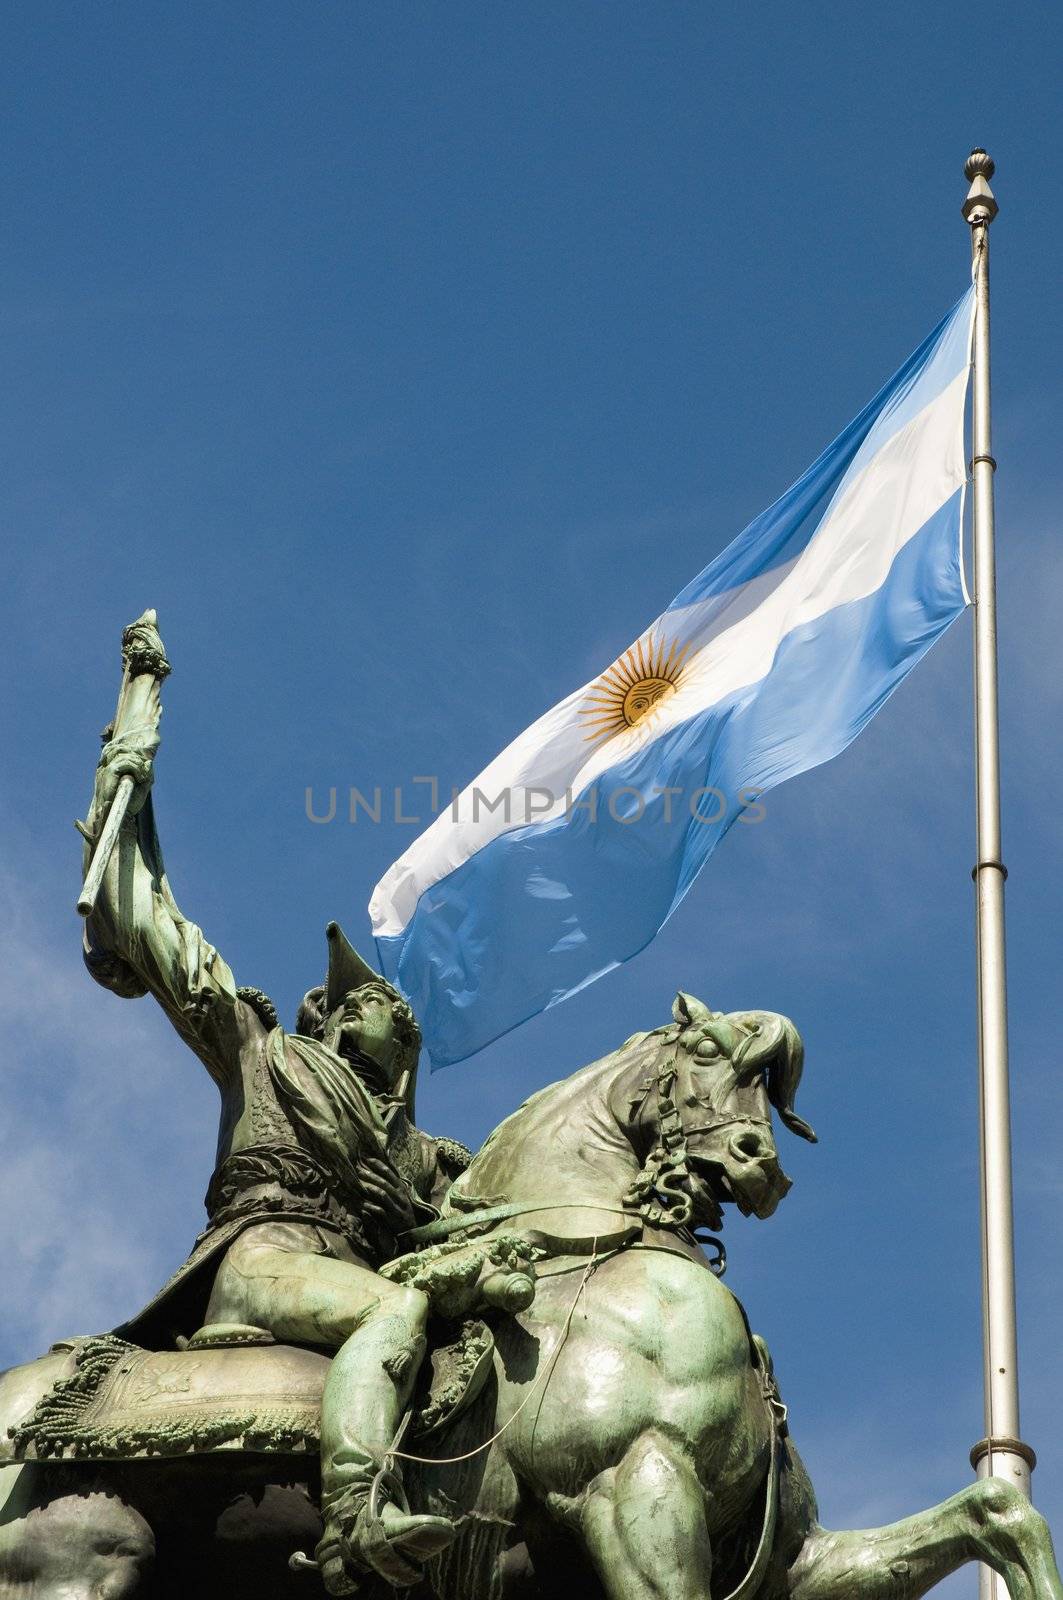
[367,1388]
[392,1543]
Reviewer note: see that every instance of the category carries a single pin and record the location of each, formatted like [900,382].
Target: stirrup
[376,1548]
[387,1483]
[366,1551]
[357,1543]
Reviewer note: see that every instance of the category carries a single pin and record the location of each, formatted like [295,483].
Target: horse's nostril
[746,1144]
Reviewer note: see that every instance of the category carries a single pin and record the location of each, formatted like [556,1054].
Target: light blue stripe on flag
[570,851]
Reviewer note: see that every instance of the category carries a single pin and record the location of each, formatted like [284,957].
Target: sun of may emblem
[633,688]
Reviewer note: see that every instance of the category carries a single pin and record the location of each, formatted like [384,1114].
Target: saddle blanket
[120,1401]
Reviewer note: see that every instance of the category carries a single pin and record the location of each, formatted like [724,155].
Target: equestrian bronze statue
[388,1364]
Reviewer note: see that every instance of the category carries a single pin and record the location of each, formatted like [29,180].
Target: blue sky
[409,360]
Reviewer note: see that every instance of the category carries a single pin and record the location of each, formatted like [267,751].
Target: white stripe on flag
[732,640]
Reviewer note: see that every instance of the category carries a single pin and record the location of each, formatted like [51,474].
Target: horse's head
[719,1077]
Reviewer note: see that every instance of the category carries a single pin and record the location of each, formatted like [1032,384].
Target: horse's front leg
[989,1521]
[643,1524]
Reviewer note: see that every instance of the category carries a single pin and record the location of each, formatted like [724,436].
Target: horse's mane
[639,1044]
[665,1031]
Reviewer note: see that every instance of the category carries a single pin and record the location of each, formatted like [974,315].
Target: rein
[443,1227]
[769,1390]
[759,1564]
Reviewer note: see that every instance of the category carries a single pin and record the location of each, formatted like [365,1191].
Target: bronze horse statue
[625,1435]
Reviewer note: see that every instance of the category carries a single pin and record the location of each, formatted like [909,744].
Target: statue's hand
[130,751]
[143,649]
[385,1198]
[130,755]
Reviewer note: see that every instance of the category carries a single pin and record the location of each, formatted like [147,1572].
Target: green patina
[556,1394]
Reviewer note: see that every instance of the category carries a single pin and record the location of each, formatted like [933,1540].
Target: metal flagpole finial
[979,206]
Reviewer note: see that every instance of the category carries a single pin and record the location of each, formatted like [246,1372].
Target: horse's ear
[686,1010]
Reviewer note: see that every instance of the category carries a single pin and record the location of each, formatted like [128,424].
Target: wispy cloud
[105,1123]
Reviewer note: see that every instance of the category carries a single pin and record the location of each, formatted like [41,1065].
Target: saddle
[233,1388]
[225,1392]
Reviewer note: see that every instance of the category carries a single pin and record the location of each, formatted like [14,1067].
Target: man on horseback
[319,1165]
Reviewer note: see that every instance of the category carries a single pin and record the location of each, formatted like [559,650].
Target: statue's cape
[333,1116]
[334,1119]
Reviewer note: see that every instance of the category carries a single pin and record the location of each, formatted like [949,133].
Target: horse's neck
[570,1142]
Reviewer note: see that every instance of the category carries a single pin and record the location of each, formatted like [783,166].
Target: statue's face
[362,1031]
[641,698]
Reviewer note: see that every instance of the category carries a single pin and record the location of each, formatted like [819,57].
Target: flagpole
[1001,1453]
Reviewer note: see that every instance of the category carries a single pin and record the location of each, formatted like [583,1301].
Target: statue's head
[739,1066]
[361,1017]
[724,1074]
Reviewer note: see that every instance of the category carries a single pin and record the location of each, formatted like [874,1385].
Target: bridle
[659,1193]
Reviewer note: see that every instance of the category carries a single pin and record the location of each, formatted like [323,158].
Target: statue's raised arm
[319,1169]
[136,940]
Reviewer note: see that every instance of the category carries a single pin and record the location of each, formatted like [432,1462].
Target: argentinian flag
[570,851]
